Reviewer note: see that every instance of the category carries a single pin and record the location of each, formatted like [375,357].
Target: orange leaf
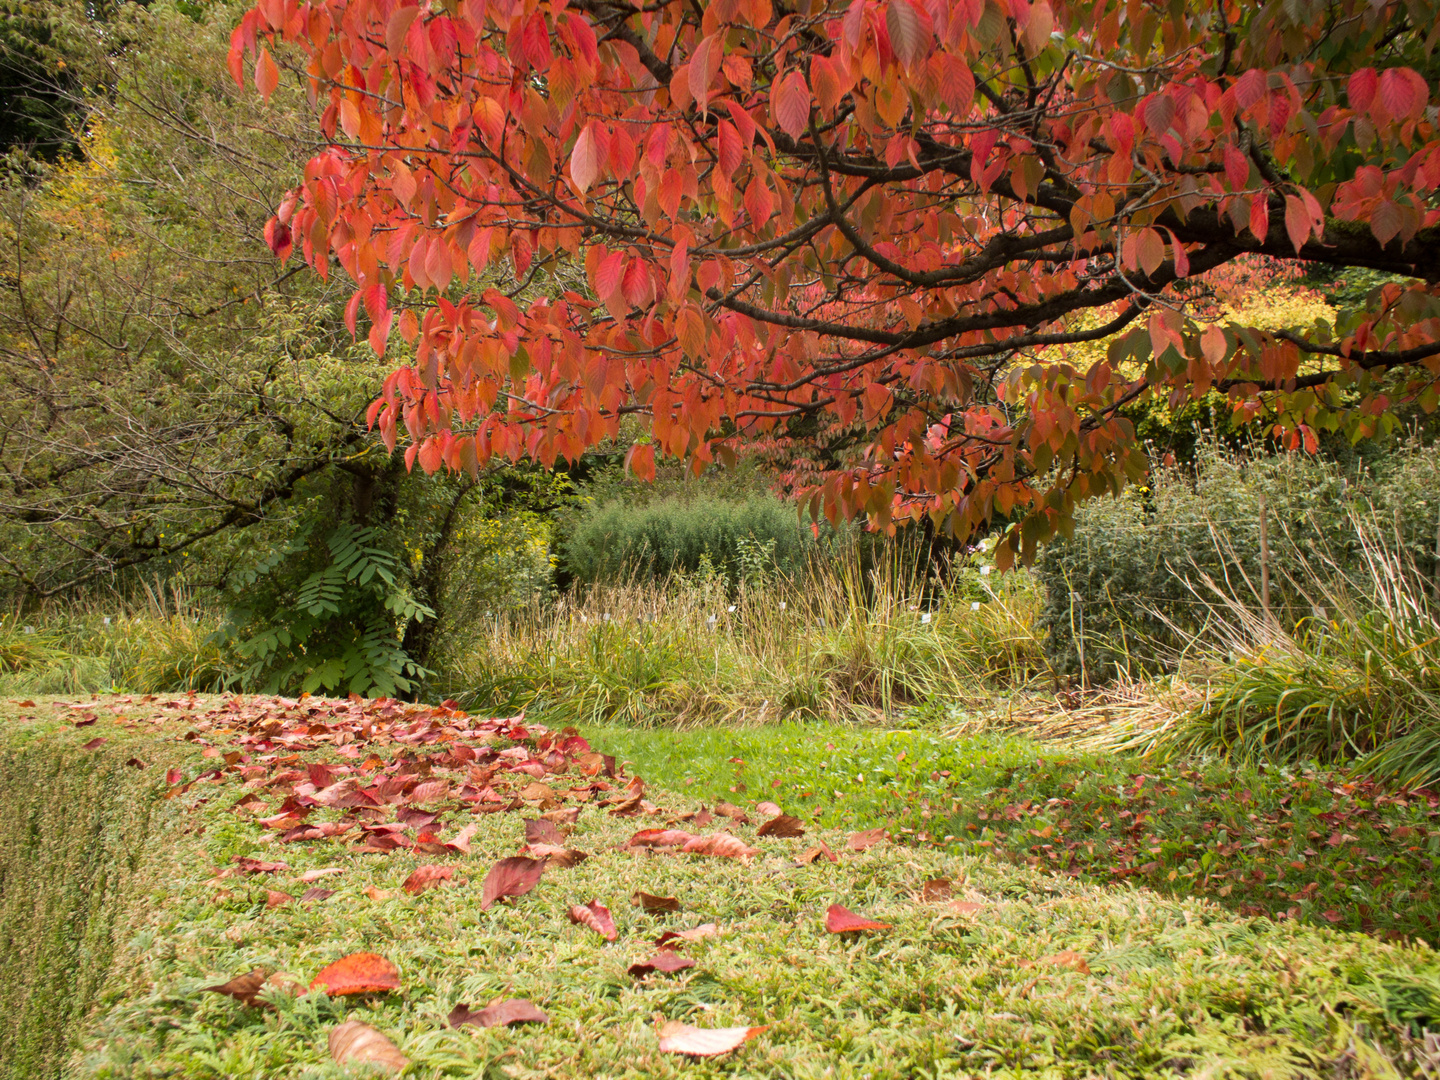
[267,75]
[839,920]
[356,1042]
[358,973]
[782,825]
[867,839]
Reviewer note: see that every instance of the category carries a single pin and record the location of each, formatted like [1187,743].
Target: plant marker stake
[974,605]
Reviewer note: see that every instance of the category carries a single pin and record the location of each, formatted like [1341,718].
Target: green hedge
[617,539]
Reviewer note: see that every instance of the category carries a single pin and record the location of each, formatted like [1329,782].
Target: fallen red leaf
[596,916]
[510,1011]
[699,933]
[769,809]
[427,877]
[867,839]
[556,855]
[678,1038]
[782,825]
[93,743]
[726,809]
[514,876]
[353,1041]
[315,875]
[935,890]
[247,865]
[666,960]
[721,844]
[274,899]
[646,902]
[316,893]
[810,855]
[542,832]
[358,973]
[839,920]
[659,838]
[243,988]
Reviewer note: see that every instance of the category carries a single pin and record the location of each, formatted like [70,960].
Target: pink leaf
[678,1038]
[514,876]
[596,916]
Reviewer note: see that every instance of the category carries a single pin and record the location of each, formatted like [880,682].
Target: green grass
[1303,843]
[1176,986]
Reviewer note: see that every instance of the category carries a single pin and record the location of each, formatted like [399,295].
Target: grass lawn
[1017,971]
[1310,844]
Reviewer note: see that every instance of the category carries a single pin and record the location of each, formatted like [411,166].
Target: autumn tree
[880,216]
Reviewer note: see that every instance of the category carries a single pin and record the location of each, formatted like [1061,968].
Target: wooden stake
[1264,560]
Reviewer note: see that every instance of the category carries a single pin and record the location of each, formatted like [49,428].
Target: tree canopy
[872,222]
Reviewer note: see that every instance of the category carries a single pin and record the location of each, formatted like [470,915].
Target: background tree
[875,212]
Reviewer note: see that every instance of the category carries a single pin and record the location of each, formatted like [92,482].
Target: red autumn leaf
[87,721]
[651,904]
[555,855]
[275,898]
[243,988]
[839,920]
[247,865]
[514,876]
[726,809]
[659,838]
[699,933]
[782,826]
[867,839]
[820,851]
[935,890]
[721,844]
[596,916]
[355,1043]
[769,809]
[427,877]
[497,1014]
[790,104]
[315,893]
[665,961]
[678,1038]
[542,832]
[93,743]
[358,973]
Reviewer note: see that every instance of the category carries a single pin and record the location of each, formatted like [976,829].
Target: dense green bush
[737,538]
[1143,573]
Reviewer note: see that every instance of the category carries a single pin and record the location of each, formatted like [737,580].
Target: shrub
[1126,593]
[616,540]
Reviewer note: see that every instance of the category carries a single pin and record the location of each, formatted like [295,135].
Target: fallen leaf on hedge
[542,832]
[562,817]
[699,933]
[378,894]
[358,973]
[427,877]
[665,960]
[93,743]
[1066,958]
[678,1038]
[596,916]
[514,876]
[867,839]
[243,988]
[839,920]
[461,843]
[274,899]
[315,875]
[247,865]
[316,893]
[562,857]
[646,902]
[965,907]
[721,844]
[659,838]
[810,855]
[87,721]
[769,809]
[353,1041]
[509,1011]
[731,811]
[935,890]
[782,825]
[135,763]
